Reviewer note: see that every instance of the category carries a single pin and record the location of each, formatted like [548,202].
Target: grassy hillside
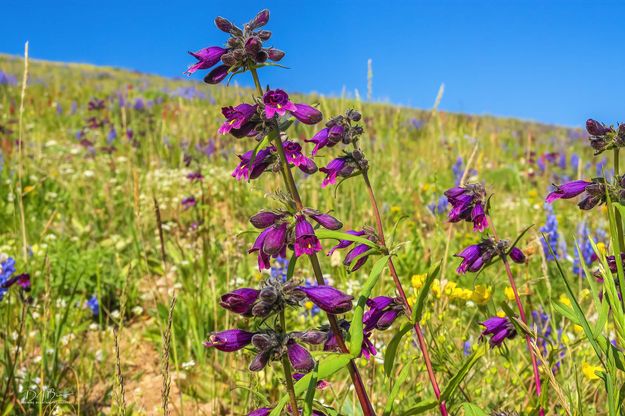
[105,150]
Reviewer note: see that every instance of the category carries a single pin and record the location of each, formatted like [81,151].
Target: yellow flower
[501,314]
[395,209]
[309,305]
[602,248]
[461,293]
[412,300]
[449,288]
[578,328]
[564,300]
[533,193]
[481,294]
[509,293]
[589,371]
[418,280]
[425,187]
[436,288]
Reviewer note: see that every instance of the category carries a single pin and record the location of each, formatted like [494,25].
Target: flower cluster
[603,138]
[243,49]
[477,256]
[499,328]
[467,204]
[282,229]
[273,344]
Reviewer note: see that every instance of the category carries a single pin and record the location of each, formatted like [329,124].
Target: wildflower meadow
[172,246]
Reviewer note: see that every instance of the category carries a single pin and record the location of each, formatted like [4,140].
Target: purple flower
[346,243]
[596,128]
[271,242]
[195,176]
[275,240]
[306,242]
[229,340]
[263,411]
[300,358]
[238,120]
[500,329]
[328,298]
[189,202]
[217,75]
[307,114]
[568,190]
[467,205]
[207,58]
[476,256]
[355,256]
[277,102]
[263,160]
[517,255]
[339,167]
[240,300]
[264,219]
[325,220]
[294,155]
[383,311]
[356,252]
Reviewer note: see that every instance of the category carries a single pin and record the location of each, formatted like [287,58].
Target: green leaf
[462,373]
[326,367]
[291,269]
[391,348]
[417,312]
[581,318]
[355,331]
[421,407]
[310,393]
[472,410]
[338,235]
[403,374]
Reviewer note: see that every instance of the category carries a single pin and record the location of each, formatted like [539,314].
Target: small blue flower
[93,305]
[551,231]
[7,268]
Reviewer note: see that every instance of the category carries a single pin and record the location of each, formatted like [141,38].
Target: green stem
[617,213]
[287,371]
[359,386]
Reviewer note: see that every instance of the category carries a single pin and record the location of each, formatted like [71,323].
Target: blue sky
[553,61]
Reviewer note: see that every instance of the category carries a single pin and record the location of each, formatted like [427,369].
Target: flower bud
[264,35]
[325,220]
[226,26]
[354,115]
[261,57]
[313,337]
[269,294]
[253,45]
[299,357]
[275,54]
[329,299]
[517,255]
[228,59]
[264,219]
[262,309]
[260,19]
[596,128]
[217,75]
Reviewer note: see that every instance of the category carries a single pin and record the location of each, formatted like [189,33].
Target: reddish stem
[402,294]
[519,305]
